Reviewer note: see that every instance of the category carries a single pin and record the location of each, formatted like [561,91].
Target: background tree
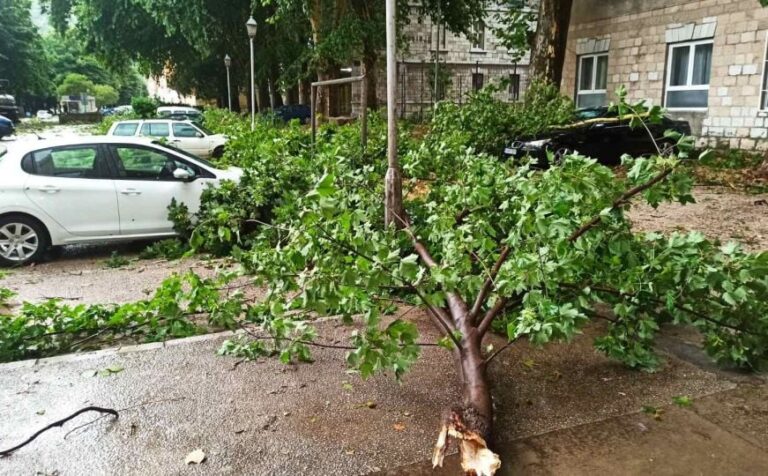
[548,52]
[22,57]
[105,95]
[75,84]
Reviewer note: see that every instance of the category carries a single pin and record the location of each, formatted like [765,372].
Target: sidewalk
[562,409]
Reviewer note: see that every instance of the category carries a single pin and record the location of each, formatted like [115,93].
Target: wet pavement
[81,275]
[562,409]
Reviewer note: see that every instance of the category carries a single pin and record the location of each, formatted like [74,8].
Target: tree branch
[61,422]
[697,314]
[499,306]
[488,284]
[623,199]
[499,351]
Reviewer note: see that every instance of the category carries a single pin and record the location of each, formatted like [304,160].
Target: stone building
[465,63]
[703,60]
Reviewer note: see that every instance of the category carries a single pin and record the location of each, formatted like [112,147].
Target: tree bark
[262,97]
[369,70]
[305,91]
[551,37]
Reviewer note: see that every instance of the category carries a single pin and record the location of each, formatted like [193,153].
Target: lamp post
[228,63]
[251,26]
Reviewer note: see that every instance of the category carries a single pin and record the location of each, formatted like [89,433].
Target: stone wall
[459,58]
[639,33]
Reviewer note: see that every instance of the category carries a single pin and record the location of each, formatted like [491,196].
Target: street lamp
[251,26]
[228,63]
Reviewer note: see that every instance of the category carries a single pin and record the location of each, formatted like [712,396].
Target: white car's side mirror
[199,135]
[181,174]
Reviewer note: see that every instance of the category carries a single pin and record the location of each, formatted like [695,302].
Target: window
[440,34]
[68,162]
[478,36]
[184,130]
[126,129]
[141,163]
[155,129]
[514,86]
[592,80]
[688,69]
[477,81]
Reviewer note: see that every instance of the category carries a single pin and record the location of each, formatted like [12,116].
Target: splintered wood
[476,458]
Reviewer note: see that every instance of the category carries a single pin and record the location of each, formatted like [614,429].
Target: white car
[61,191]
[184,135]
[169,111]
[44,115]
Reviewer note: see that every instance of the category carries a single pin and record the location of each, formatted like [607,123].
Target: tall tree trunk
[292,95]
[550,41]
[305,91]
[262,96]
[369,70]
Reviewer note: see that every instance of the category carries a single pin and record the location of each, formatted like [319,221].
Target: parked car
[127,109]
[44,115]
[179,113]
[185,135]
[6,127]
[297,111]
[8,107]
[94,189]
[599,134]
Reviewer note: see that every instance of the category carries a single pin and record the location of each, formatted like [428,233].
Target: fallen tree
[486,245]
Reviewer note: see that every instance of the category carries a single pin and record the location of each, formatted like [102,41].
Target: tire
[23,240]
[218,151]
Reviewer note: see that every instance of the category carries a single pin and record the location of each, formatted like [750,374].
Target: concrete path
[563,409]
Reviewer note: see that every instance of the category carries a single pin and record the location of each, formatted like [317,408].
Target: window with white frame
[688,70]
[478,36]
[592,80]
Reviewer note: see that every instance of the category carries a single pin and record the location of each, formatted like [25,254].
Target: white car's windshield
[185,154]
[208,132]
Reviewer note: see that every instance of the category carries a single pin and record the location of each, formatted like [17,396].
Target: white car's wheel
[22,240]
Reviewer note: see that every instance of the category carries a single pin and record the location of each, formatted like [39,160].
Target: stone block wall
[639,34]
[458,58]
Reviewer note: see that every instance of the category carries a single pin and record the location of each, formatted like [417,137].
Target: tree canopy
[22,57]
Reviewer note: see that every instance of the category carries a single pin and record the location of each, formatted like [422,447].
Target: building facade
[437,65]
[704,61]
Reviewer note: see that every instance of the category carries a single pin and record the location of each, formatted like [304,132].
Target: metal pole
[421,94]
[437,55]
[402,90]
[253,93]
[393,204]
[364,109]
[229,91]
[313,102]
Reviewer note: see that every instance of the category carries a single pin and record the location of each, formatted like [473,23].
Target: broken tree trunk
[470,423]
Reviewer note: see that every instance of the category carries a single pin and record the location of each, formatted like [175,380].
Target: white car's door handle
[49,189]
[130,191]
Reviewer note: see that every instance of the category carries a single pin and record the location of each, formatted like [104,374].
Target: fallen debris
[55,424]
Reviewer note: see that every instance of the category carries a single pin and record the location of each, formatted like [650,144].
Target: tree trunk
[369,70]
[292,95]
[470,423]
[305,90]
[551,37]
[262,97]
